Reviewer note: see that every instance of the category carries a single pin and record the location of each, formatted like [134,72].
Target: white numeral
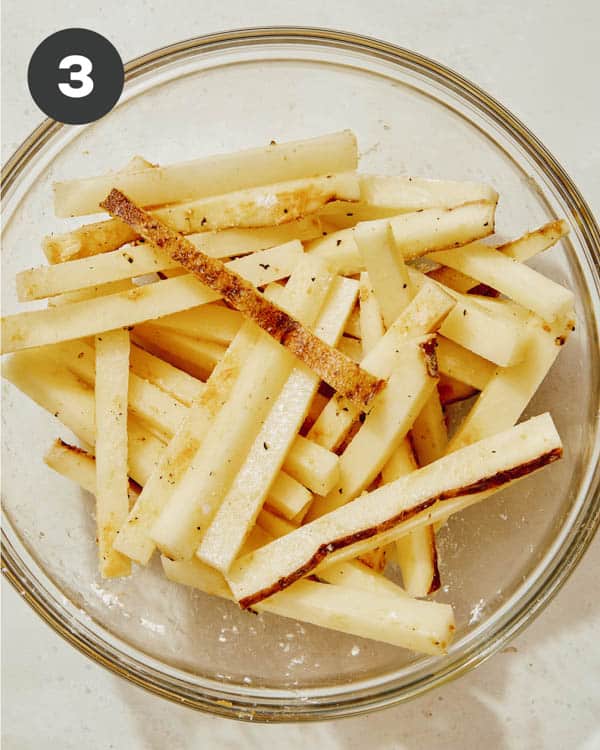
[82,76]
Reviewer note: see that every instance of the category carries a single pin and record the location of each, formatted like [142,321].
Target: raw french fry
[393,619]
[423,624]
[46,281]
[491,334]
[82,242]
[183,522]
[514,279]
[258,207]
[509,390]
[90,292]
[212,175]
[337,370]
[61,393]
[208,323]
[462,364]
[416,552]
[415,234]
[413,193]
[80,467]
[351,348]
[90,239]
[386,268]
[452,390]
[160,412]
[423,315]
[308,463]
[197,358]
[274,525]
[235,241]
[128,308]
[288,497]
[421,232]
[134,536]
[112,482]
[317,405]
[312,465]
[412,381]
[165,376]
[339,250]
[429,434]
[370,322]
[422,497]
[535,242]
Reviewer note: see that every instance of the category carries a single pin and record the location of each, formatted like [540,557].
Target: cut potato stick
[350,348]
[508,391]
[112,481]
[535,292]
[274,525]
[389,618]
[61,393]
[423,315]
[535,242]
[81,243]
[134,536]
[416,552]
[429,435]
[460,363]
[415,234]
[259,207]
[154,408]
[421,232]
[90,292]
[288,497]
[123,309]
[208,323]
[412,381]
[338,371]
[452,390]
[197,358]
[165,376]
[370,323]
[492,334]
[185,519]
[308,463]
[375,519]
[414,193]
[212,175]
[312,465]
[339,250]
[80,467]
[386,268]
[422,625]
[46,281]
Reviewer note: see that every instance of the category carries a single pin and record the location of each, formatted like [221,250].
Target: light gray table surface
[542,60]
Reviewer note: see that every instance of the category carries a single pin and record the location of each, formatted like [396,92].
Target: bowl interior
[491,556]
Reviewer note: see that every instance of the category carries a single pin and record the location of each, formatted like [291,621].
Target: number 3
[82,76]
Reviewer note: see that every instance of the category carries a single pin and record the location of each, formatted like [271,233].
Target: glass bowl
[501,561]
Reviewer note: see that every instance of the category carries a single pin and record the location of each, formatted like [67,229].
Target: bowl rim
[362,701]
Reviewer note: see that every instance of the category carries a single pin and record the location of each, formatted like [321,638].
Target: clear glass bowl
[501,561]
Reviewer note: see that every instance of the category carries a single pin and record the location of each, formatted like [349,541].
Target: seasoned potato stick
[373,520]
[342,374]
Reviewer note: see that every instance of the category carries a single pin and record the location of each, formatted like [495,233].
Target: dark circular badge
[75,76]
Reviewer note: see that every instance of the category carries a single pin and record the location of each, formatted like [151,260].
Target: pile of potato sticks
[256,352]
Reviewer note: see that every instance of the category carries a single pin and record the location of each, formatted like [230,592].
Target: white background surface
[542,60]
